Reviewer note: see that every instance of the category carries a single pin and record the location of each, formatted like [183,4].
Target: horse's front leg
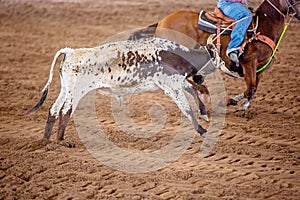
[251,80]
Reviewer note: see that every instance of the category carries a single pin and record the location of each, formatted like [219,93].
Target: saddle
[210,21]
[217,23]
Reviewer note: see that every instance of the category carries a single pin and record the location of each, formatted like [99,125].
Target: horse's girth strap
[263,39]
[266,40]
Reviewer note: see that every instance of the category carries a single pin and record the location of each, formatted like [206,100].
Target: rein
[289,5]
[279,11]
[263,38]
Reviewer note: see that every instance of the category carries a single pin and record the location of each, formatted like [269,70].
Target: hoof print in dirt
[35,145]
[245,114]
[68,143]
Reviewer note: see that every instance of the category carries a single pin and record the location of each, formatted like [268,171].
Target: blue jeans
[236,11]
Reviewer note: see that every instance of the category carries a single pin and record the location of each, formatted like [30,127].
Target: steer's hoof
[204,117]
[201,130]
[205,135]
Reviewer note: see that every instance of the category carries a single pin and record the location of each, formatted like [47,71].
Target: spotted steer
[132,66]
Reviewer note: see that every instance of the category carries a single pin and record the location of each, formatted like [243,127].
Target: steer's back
[122,63]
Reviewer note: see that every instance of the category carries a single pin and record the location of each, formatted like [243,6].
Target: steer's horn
[218,60]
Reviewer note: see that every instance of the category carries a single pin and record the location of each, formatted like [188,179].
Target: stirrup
[234,57]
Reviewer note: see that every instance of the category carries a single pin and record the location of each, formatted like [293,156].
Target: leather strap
[219,37]
[264,39]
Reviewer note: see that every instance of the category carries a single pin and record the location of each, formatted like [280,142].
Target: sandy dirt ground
[257,158]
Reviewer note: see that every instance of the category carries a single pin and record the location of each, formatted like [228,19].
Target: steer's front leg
[199,103]
[181,101]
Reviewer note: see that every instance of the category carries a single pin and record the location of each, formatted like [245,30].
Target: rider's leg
[236,11]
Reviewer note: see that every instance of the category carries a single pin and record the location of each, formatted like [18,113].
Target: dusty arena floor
[254,158]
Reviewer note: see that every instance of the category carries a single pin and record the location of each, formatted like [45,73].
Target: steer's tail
[45,90]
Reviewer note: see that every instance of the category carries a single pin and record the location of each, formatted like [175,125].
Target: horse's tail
[144,32]
[45,90]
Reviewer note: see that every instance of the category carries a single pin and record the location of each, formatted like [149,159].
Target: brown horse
[272,17]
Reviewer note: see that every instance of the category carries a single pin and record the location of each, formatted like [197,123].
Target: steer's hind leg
[53,113]
[63,120]
[179,98]
[49,125]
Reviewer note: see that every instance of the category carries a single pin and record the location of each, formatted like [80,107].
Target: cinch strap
[274,51]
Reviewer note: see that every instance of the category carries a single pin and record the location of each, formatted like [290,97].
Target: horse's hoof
[236,100]
[232,102]
[204,117]
[243,104]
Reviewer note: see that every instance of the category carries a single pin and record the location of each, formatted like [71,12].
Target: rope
[219,35]
[278,43]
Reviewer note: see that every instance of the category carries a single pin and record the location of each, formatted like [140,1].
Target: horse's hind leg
[251,82]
